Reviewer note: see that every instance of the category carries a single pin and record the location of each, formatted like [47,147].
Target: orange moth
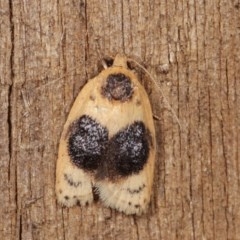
[108,142]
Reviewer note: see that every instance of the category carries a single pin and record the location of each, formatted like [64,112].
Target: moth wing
[73,184]
[131,194]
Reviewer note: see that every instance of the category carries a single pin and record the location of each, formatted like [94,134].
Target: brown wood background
[48,49]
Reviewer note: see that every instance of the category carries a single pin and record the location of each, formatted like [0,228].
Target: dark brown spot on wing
[71,182]
[137,190]
[66,197]
[129,149]
[118,87]
[92,98]
[138,102]
[126,153]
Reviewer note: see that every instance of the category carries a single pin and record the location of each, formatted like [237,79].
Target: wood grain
[48,51]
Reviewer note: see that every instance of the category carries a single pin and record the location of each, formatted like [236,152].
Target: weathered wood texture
[48,49]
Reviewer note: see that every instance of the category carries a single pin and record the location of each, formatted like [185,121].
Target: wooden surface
[48,50]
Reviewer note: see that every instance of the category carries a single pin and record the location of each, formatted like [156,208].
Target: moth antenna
[99,54]
[160,90]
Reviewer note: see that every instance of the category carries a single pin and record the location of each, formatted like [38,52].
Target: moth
[108,143]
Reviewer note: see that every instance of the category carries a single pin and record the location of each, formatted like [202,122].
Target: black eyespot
[87,143]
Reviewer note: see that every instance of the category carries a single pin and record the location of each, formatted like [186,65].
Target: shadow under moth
[108,142]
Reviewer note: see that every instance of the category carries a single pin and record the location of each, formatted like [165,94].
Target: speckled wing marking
[108,142]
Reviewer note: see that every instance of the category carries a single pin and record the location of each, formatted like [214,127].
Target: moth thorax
[118,87]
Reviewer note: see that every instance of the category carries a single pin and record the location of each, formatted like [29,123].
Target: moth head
[120,61]
[118,84]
